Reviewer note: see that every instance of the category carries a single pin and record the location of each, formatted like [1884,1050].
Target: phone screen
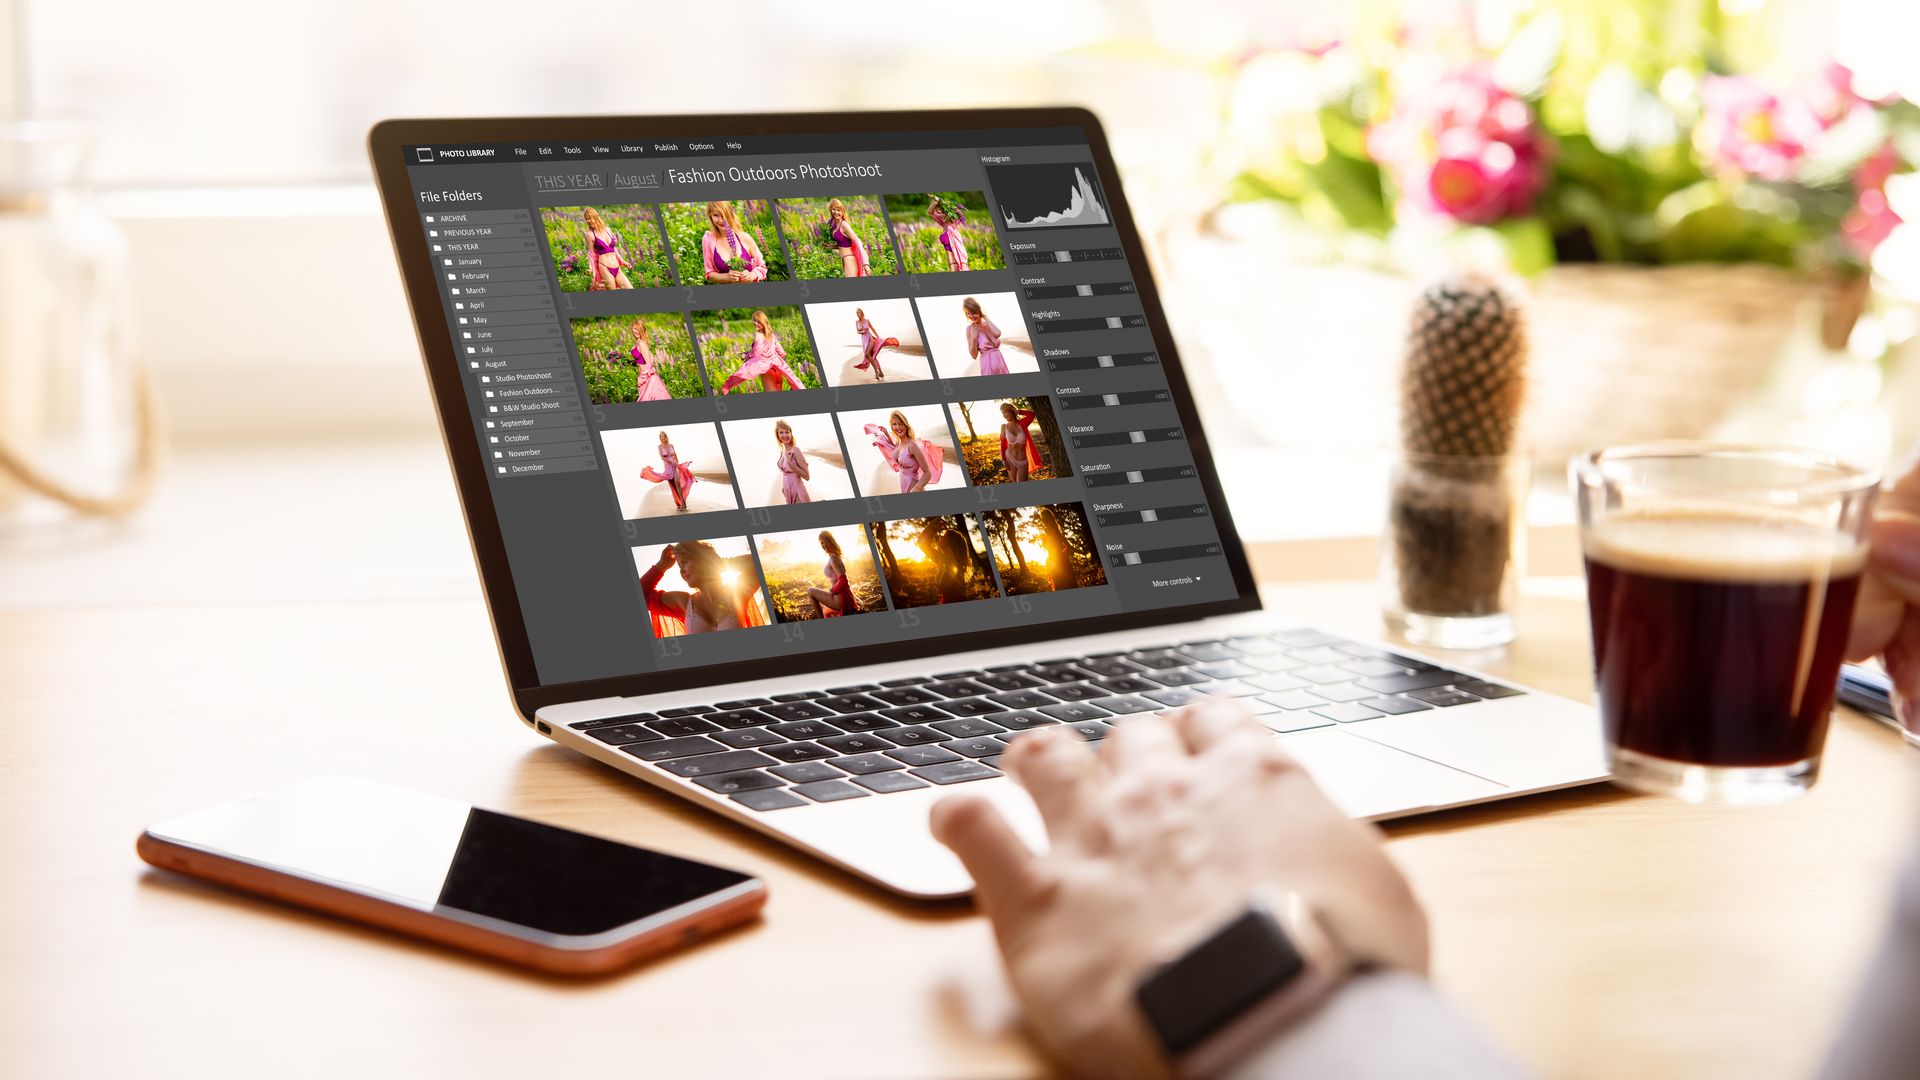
[447,857]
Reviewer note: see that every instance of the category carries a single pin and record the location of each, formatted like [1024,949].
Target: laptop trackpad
[1367,779]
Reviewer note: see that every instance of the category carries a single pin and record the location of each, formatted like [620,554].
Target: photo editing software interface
[775,394]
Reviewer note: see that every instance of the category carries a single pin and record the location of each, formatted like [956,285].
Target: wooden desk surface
[1597,934]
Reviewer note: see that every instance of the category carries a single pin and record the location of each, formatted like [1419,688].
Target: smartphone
[550,898]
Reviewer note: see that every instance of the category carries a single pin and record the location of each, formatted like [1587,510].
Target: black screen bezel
[385,146]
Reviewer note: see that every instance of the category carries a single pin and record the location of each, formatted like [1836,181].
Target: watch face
[1243,964]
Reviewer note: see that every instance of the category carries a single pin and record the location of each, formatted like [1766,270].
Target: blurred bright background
[1257,141]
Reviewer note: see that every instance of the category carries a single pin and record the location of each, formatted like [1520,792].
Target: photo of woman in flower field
[700,586]
[748,350]
[637,358]
[725,243]
[820,573]
[837,238]
[1011,440]
[606,247]
[934,560]
[944,231]
[1044,548]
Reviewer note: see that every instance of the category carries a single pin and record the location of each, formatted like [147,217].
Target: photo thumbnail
[661,471]
[982,334]
[903,450]
[840,237]
[785,460]
[868,342]
[724,243]
[934,560]
[1011,440]
[944,231]
[606,247]
[1044,548]
[627,358]
[820,573]
[748,350]
[700,586]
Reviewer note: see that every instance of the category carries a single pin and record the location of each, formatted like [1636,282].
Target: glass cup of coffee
[1720,583]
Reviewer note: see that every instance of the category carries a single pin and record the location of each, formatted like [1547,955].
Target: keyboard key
[1024,719]
[915,714]
[1007,680]
[887,782]
[688,725]
[710,764]
[862,764]
[1070,712]
[905,680]
[797,751]
[1091,730]
[793,710]
[1485,689]
[906,695]
[1277,683]
[855,744]
[1175,697]
[747,738]
[686,710]
[1376,667]
[852,703]
[969,727]
[978,747]
[1209,651]
[1348,713]
[1321,673]
[829,790]
[1110,667]
[1305,638]
[624,734]
[1079,691]
[1295,721]
[735,719]
[1122,684]
[1294,699]
[751,780]
[1022,699]
[1227,669]
[802,695]
[674,748]
[949,676]
[1275,662]
[973,706]
[1176,677]
[1344,692]
[806,772]
[865,721]
[770,799]
[923,755]
[1160,659]
[1394,706]
[743,703]
[1059,672]
[610,721]
[1321,655]
[918,735]
[954,772]
[1233,688]
[1444,696]
[960,688]
[1125,706]
[1400,684]
[800,730]
[860,689]
[1255,644]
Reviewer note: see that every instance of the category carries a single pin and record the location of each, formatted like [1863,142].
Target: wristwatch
[1225,995]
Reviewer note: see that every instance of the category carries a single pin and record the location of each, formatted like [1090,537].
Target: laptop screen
[780,394]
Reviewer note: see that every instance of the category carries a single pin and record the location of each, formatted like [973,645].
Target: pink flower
[1830,98]
[1871,220]
[1746,128]
[1463,148]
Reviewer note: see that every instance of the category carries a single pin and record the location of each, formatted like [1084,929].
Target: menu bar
[612,148]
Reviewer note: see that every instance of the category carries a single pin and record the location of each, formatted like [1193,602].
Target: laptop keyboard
[853,742]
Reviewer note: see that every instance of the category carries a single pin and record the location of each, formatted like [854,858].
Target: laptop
[810,459]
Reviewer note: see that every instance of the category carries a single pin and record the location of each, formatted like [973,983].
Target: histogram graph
[1052,196]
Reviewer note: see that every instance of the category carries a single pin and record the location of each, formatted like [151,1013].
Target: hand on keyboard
[1155,843]
[1887,620]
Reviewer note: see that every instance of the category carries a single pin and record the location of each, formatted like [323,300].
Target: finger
[1058,770]
[1903,667]
[1876,618]
[1000,864]
[1206,724]
[1894,552]
[1142,742]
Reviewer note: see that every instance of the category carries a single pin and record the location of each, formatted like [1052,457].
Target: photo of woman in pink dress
[916,461]
[792,463]
[983,339]
[678,475]
[728,252]
[837,598]
[871,343]
[950,219]
[609,262]
[652,386]
[853,251]
[1017,451]
[765,359]
[722,593]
